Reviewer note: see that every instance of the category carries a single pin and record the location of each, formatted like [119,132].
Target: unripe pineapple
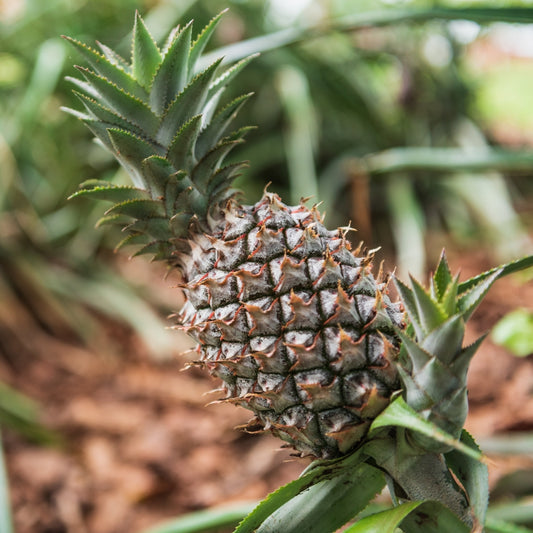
[289,318]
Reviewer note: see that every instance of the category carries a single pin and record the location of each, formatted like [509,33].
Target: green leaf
[223,176]
[181,152]
[328,505]
[133,239]
[398,413]
[415,517]
[473,475]
[104,114]
[515,332]
[187,104]
[418,357]
[203,521]
[159,249]
[156,171]
[504,270]
[446,340]
[409,302]
[498,526]
[468,301]
[361,21]
[210,164]
[442,277]
[199,44]
[449,298]
[99,130]
[229,74]
[108,220]
[122,103]
[157,228]
[214,131]
[172,75]
[519,512]
[315,473]
[112,193]
[111,71]
[173,190]
[131,152]
[139,208]
[145,55]
[114,58]
[409,159]
[429,311]
[459,367]
[6,525]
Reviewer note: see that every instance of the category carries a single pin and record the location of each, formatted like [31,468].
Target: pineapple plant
[284,312]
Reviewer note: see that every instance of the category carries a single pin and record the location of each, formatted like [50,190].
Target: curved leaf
[504,270]
[398,413]
[315,473]
[328,505]
[415,517]
[203,521]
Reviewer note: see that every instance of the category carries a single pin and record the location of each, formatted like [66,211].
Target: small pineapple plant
[285,313]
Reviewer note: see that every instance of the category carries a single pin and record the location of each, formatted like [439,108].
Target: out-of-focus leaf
[300,133]
[447,160]
[512,486]
[205,521]
[359,20]
[499,526]
[6,525]
[415,517]
[508,444]
[515,332]
[407,226]
[22,414]
[518,512]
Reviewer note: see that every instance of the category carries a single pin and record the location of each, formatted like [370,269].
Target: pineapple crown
[433,362]
[162,121]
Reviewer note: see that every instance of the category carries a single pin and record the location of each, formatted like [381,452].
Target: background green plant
[342,114]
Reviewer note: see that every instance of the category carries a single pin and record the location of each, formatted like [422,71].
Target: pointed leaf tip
[145,54]
[430,312]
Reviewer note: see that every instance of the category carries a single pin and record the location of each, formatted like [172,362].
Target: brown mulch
[139,445]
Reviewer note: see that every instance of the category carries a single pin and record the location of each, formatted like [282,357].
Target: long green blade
[204,521]
[360,21]
[508,268]
[325,507]
[315,473]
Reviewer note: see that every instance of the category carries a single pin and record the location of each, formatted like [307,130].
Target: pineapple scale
[293,323]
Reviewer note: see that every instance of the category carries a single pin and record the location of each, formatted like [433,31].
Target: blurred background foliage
[409,119]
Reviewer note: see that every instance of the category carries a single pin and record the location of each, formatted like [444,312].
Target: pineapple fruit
[288,316]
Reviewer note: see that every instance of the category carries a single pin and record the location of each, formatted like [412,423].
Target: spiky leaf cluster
[162,121]
[433,361]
